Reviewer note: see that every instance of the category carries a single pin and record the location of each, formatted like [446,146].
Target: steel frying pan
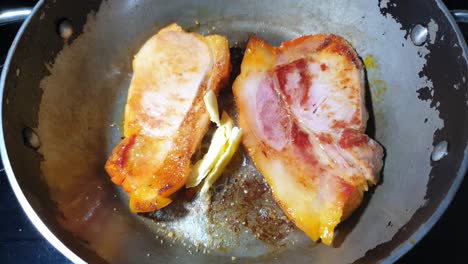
[64,86]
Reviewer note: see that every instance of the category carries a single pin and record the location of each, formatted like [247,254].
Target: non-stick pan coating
[71,93]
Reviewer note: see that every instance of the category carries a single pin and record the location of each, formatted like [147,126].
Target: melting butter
[224,143]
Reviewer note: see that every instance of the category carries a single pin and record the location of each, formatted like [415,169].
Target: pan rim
[20,196]
[394,255]
[426,226]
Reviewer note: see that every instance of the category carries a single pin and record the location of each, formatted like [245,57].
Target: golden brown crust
[152,168]
[317,162]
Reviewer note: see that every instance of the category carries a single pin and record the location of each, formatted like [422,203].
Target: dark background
[21,243]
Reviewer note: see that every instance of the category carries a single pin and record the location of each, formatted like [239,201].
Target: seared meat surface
[301,107]
[165,116]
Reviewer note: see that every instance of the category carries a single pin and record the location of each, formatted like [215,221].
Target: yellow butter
[211,104]
[203,167]
[224,143]
[232,146]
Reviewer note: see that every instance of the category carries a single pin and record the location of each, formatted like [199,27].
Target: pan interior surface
[79,121]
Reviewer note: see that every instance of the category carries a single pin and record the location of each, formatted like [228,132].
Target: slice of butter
[232,145]
[224,143]
[201,169]
[211,104]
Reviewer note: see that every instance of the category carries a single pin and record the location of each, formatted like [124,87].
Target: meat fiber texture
[302,110]
[165,115]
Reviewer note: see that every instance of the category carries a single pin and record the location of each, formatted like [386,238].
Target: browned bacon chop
[301,107]
[165,115]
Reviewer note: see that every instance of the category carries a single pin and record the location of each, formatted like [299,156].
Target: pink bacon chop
[301,107]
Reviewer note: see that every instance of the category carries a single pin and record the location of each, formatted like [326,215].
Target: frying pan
[64,87]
